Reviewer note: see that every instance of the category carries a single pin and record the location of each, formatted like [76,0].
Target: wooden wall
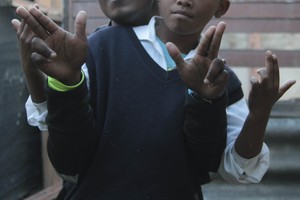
[95,16]
[256,18]
[20,144]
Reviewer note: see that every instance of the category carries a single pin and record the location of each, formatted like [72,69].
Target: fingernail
[206,81]
[52,55]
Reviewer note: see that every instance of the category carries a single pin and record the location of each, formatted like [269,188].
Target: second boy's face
[129,12]
[188,16]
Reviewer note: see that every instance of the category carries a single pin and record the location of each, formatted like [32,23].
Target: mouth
[182,13]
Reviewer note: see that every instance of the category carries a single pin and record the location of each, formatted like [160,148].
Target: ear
[223,7]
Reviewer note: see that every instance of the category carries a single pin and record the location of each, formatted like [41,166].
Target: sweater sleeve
[205,133]
[72,137]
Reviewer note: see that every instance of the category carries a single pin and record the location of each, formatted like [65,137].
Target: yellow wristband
[59,86]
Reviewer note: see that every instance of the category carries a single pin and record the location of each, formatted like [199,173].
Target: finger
[224,61]
[41,48]
[221,79]
[27,32]
[269,64]
[176,56]
[45,22]
[204,44]
[80,24]
[263,74]
[215,69]
[36,6]
[287,85]
[16,24]
[215,44]
[32,22]
[276,76]
[254,83]
[40,60]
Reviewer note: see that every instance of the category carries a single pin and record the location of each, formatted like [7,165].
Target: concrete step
[282,180]
[262,191]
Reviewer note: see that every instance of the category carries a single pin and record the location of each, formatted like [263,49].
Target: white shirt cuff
[236,169]
[36,114]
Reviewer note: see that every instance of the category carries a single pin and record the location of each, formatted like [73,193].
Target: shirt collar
[148,33]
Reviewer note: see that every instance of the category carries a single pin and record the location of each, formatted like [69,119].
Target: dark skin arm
[204,73]
[58,53]
[35,79]
[265,92]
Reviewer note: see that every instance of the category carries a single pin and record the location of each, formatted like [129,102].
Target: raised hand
[34,77]
[58,53]
[265,89]
[204,73]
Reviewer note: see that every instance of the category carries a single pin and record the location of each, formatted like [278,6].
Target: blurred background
[253,26]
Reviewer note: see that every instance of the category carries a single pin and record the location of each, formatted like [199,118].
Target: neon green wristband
[59,86]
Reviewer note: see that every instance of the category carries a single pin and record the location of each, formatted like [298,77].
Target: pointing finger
[45,22]
[214,47]
[32,22]
[206,39]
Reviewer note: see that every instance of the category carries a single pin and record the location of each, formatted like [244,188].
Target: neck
[185,43]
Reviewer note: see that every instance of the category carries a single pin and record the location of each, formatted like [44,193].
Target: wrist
[73,79]
[259,115]
[208,100]
[62,87]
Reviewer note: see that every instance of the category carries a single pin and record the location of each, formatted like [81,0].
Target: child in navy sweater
[191,87]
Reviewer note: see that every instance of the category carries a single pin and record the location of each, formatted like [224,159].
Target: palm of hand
[71,51]
[193,75]
[266,91]
[262,96]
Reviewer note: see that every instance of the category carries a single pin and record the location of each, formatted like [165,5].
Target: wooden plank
[92,8]
[264,1]
[259,26]
[255,58]
[264,10]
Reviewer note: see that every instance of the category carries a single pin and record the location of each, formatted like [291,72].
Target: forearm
[72,139]
[250,140]
[205,131]
[35,81]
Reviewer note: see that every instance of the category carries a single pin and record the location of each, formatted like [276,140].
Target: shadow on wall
[20,158]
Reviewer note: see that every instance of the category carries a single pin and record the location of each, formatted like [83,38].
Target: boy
[130,13]
[175,59]
[160,167]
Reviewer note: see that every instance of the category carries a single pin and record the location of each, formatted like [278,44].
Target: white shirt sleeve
[233,168]
[37,112]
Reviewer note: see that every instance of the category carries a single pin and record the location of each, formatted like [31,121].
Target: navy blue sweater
[138,135]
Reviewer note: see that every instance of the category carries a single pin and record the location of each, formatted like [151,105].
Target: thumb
[175,54]
[80,24]
[285,87]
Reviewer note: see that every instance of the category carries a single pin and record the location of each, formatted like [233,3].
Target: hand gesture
[58,53]
[204,73]
[265,90]
[34,77]
[25,36]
